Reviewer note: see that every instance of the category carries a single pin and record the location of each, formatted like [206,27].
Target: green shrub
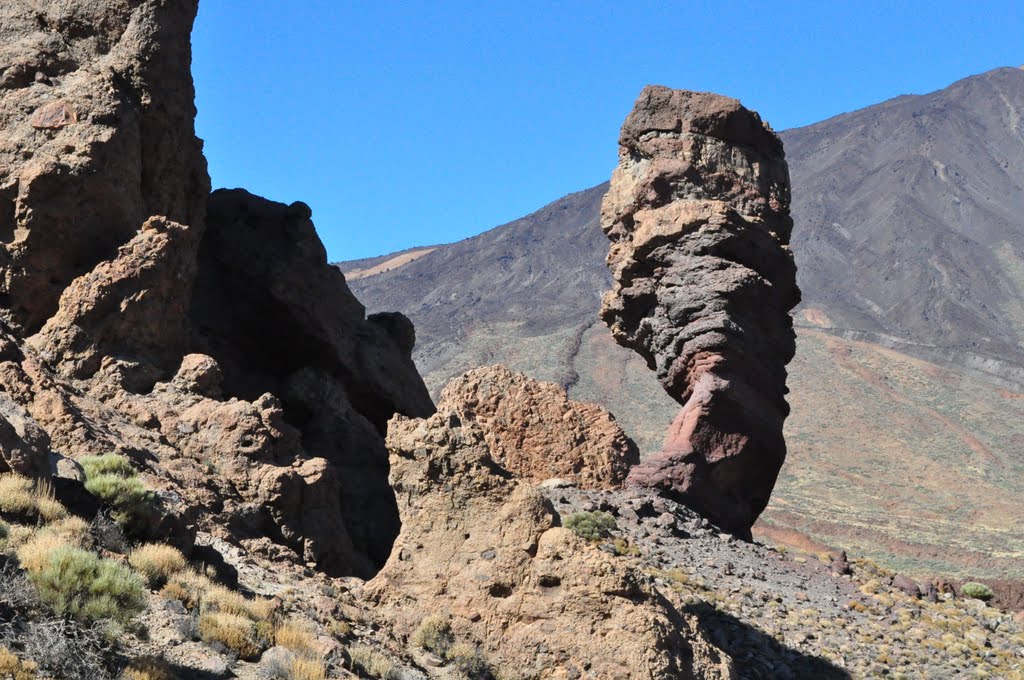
[80,584]
[131,502]
[107,464]
[4,533]
[978,591]
[434,635]
[592,526]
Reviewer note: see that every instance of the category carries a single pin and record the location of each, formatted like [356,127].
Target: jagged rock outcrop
[487,550]
[536,432]
[207,339]
[97,109]
[698,216]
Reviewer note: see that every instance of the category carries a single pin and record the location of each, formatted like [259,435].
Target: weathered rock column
[698,216]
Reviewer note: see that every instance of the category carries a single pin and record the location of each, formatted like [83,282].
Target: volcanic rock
[109,144]
[228,362]
[487,550]
[698,216]
[535,431]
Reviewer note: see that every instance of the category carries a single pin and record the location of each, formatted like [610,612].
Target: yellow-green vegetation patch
[238,633]
[157,562]
[34,549]
[592,526]
[27,500]
[434,634]
[371,663]
[114,480]
[80,584]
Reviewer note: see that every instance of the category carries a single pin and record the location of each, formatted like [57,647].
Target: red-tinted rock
[698,216]
[54,116]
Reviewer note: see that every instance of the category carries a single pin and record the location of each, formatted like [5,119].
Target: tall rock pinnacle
[698,216]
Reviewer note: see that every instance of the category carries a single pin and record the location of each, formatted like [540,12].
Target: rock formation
[206,339]
[698,216]
[536,432]
[487,551]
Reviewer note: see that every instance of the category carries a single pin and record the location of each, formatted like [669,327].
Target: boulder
[698,217]
[536,432]
[487,552]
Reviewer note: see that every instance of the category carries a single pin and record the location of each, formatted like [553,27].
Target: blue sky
[414,123]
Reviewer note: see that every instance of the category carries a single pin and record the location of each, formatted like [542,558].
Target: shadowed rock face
[698,216]
[206,339]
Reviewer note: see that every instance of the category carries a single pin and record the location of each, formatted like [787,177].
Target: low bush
[237,633]
[434,634]
[157,563]
[13,668]
[372,663]
[35,550]
[148,668]
[107,464]
[469,662]
[306,669]
[591,526]
[78,583]
[977,591]
[26,500]
[294,636]
[131,502]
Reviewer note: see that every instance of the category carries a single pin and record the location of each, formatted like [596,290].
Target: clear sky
[413,123]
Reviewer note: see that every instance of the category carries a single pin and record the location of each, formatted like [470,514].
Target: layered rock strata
[536,432]
[698,217]
[206,339]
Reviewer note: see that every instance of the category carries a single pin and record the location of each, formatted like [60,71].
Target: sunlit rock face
[698,217]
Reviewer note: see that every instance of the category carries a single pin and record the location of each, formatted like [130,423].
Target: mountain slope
[901,269]
[909,223]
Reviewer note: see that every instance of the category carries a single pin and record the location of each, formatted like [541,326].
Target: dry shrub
[294,636]
[148,668]
[157,562]
[434,635]
[307,669]
[25,499]
[372,663]
[221,599]
[35,550]
[469,661]
[235,632]
[13,668]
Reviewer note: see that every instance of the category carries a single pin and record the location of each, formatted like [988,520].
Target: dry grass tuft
[24,499]
[434,635]
[35,549]
[13,668]
[372,663]
[148,668]
[294,636]
[237,633]
[307,669]
[157,562]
